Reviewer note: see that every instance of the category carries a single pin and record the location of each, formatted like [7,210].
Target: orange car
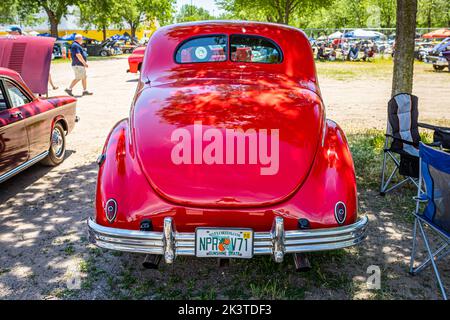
[135,59]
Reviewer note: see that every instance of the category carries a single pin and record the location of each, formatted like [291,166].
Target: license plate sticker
[224,243]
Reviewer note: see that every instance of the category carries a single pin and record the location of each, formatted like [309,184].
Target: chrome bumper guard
[277,242]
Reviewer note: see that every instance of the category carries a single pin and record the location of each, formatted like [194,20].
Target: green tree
[137,12]
[387,12]
[339,14]
[280,11]
[12,13]
[433,13]
[192,13]
[100,14]
[24,11]
[55,10]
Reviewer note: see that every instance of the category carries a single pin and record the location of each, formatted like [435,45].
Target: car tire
[103,53]
[57,150]
[438,68]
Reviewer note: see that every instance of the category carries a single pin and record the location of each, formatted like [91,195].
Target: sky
[209,5]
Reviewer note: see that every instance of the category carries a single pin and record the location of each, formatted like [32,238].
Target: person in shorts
[79,65]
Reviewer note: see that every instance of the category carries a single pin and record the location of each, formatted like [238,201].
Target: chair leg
[436,256]
[397,185]
[413,251]
[433,263]
[384,185]
[383,169]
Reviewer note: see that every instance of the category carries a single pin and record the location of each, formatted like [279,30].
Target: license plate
[224,243]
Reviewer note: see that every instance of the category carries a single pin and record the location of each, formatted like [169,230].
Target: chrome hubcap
[57,143]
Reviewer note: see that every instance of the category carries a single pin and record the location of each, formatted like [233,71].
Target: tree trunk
[404,47]
[287,6]
[104,33]
[133,30]
[53,22]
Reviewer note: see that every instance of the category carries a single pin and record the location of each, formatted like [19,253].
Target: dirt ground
[43,211]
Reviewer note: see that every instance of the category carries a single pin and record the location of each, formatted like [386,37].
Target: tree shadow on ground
[42,228]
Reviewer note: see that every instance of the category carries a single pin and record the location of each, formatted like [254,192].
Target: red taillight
[111,210]
[340,212]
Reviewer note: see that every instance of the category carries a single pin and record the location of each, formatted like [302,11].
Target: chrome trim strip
[23,166]
[277,242]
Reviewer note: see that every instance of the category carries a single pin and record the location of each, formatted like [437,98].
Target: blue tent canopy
[70,37]
[119,37]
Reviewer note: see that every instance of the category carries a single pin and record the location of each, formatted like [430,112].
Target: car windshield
[203,49]
[244,48]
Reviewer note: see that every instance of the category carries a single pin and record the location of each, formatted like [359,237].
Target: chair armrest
[402,141]
[431,127]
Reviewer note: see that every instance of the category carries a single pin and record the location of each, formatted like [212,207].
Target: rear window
[203,49]
[245,48]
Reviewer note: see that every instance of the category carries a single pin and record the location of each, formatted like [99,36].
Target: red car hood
[163,118]
[30,57]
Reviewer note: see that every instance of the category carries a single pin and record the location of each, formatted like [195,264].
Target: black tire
[103,53]
[438,68]
[57,150]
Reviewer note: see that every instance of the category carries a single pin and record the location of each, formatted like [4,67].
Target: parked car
[422,49]
[226,154]
[126,46]
[58,49]
[32,129]
[440,55]
[96,48]
[135,59]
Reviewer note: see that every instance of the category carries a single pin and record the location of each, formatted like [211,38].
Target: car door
[38,121]
[13,134]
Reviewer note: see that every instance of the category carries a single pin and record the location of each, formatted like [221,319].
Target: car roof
[5,72]
[230,24]
[293,42]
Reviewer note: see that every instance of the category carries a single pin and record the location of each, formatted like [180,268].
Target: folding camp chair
[402,141]
[435,172]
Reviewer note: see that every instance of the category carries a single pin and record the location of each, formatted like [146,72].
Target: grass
[379,68]
[350,70]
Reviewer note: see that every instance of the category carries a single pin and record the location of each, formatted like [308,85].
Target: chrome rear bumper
[276,242]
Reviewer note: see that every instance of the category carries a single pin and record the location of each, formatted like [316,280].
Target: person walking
[79,65]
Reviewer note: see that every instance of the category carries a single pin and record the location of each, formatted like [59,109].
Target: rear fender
[120,178]
[331,179]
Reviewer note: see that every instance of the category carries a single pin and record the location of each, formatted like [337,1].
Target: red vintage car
[227,152]
[32,129]
[135,60]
